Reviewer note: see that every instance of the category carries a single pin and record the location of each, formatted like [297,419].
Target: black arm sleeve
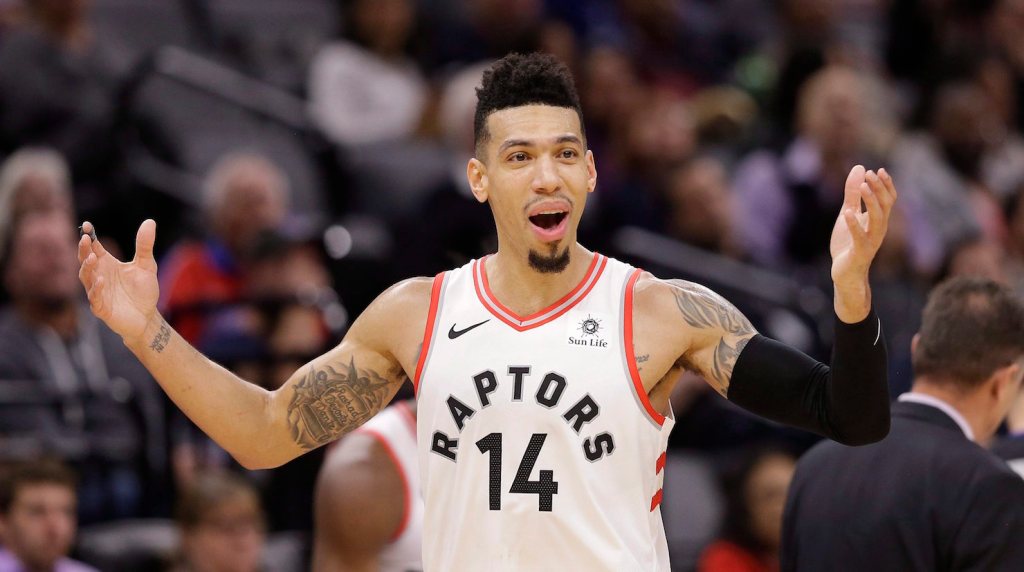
[847,402]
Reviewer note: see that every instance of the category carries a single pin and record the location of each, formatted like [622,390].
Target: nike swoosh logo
[453,333]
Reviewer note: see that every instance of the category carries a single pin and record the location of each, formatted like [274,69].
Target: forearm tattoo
[161,339]
[329,403]
[703,309]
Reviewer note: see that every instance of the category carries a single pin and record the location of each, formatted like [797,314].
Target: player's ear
[476,172]
[591,172]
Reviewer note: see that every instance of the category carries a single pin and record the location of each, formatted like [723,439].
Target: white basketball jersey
[395,429]
[539,449]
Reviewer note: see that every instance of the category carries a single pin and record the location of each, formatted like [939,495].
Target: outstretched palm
[858,235]
[122,294]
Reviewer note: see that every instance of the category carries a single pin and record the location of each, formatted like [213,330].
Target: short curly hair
[523,79]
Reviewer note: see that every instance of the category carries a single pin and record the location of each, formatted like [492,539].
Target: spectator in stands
[788,199]
[244,196]
[964,168]
[752,529]
[365,88]
[928,496]
[105,416]
[32,180]
[37,519]
[222,526]
[701,208]
[57,88]
[468,232]
[1007,31]
[977,256]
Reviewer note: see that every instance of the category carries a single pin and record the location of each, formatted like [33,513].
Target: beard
[553,263]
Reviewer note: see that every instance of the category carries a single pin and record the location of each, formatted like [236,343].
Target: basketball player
[542,371]
[369,512]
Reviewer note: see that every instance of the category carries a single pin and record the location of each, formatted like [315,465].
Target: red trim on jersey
[627,337]
[658,466]
[406,500]
[410,419]
[656,499]
[428,330]
[490,301]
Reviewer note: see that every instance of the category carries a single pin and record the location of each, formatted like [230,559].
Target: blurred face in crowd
[964,124]
[830,112]
[611,88]
[701,204]
[1008,23]
[228,538]
[60,13]
[251,197]
[536,173]
[661,132]
[37,192]
[765,492]
[982,258]
[384,25]
[40,526]
[43,264]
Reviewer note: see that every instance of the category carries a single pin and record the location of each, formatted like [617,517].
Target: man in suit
[928,496]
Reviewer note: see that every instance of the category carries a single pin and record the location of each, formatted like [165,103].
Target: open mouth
[548,220]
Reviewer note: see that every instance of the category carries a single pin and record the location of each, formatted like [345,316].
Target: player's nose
[545,176]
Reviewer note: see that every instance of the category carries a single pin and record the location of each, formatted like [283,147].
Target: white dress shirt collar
[941,405]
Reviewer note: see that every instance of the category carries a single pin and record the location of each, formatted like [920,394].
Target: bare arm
[719,332]
[360,504]
[325,399]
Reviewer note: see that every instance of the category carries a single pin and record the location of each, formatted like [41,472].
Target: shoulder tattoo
[703,309]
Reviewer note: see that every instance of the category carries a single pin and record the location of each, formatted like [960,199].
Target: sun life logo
[590,326]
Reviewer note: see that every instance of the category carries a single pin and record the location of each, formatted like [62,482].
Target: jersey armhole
[428,330]
[630,354]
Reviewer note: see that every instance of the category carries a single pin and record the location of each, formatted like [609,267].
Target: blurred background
[300,156]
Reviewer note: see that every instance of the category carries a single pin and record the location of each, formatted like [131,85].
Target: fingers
[87,271]
[851,195]
[856,230]
[876,215]
[890,185]
[144,240]
[84,248]
[95,295]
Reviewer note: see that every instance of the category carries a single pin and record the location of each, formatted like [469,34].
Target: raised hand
[122,294]
[858,234]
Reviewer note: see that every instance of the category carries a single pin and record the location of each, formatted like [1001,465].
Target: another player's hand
[122,294]
[858,235]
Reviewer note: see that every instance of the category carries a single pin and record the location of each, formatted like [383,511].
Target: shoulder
[409,295]
[699,306]
[360,493]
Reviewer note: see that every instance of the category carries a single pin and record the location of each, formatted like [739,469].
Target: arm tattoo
[640,360]
[703,309]
[329,403]
[161,339]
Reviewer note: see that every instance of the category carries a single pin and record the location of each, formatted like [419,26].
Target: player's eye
[517,157]
[568,154]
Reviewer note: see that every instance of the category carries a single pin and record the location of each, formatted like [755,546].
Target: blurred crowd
[301,155]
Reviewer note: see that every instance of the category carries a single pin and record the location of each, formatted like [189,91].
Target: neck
[62,319]
[970,405]
[525,290]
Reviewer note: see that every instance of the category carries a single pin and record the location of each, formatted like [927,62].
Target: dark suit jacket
[924,498]
[1011,450]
